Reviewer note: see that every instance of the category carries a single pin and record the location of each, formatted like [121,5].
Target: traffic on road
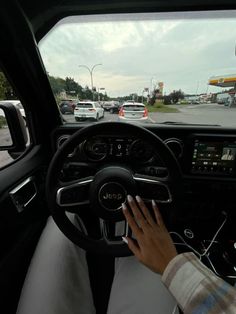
[211,114]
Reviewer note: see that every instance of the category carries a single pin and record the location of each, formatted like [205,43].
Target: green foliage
[6,90]
[2,89]
[160,107]
[167,100]
[72,89]
[3,121]
[176,95]
[57,84]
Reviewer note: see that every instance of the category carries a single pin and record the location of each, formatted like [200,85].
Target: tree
[153,97]
[167,100]
[6,90]
[2,89]
[71,87]
[57,84]
[87,93]
[176,95]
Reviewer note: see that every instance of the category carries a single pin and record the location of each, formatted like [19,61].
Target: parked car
[67,106]
[88,110]
[133,111]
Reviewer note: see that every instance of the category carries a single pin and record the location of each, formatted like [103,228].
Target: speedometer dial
[96,149]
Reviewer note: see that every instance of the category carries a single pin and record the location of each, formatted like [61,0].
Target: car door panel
[23,213]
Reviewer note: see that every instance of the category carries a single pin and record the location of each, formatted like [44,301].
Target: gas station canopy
[223,80]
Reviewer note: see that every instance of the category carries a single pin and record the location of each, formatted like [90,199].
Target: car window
[84,105]
[133,107]
[8,95]
[181,65]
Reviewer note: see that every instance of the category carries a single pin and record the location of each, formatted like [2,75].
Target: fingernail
[154,203]
[138,199]
[124,207]
[125,240]
[129,198]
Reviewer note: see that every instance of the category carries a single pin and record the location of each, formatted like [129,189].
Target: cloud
[183,53]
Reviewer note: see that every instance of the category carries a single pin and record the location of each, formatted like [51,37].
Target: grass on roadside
[159,107]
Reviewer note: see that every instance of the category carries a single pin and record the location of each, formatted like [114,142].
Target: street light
[100,88]
[146,89]
[151,87]
[91,73]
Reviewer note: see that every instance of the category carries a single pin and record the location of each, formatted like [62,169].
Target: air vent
[62,139]
[176,146]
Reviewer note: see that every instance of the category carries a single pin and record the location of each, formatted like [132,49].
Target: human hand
[154,246]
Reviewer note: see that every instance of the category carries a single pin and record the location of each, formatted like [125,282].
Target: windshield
[180,66]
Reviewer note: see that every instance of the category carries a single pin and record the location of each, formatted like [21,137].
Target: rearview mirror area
[13,133]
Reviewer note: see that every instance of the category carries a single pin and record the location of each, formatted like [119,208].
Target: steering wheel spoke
[151,188]
[112,232]
[74,194]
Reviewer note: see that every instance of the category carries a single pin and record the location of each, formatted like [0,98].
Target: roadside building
[225,81]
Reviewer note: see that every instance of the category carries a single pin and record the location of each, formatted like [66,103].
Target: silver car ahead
[133,111]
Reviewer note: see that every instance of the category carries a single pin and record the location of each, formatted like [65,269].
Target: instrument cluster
[117,148]
[114,148]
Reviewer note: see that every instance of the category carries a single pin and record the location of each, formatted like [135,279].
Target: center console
[211,155]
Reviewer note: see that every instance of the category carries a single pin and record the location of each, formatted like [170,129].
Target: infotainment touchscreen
[214,157]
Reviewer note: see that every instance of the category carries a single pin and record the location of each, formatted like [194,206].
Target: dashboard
[207,158]
[202,155]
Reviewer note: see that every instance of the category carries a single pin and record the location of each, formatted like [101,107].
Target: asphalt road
[207,114]
[210,114]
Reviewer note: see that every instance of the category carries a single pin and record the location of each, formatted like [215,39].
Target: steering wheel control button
[112,195]
[188,233]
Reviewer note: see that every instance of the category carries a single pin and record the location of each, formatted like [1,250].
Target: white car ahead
[88,110]
[133,111]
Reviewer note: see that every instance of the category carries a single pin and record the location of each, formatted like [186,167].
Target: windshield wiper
[184,123]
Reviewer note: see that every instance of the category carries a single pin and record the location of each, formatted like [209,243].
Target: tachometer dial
[141,151]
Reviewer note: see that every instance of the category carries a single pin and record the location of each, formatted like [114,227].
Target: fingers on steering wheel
[157,214]
[131,222]
[141,221]
[145,211]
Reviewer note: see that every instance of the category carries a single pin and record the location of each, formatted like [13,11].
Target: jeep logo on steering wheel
[111,195]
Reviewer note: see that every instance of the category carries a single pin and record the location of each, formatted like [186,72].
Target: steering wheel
[107,189]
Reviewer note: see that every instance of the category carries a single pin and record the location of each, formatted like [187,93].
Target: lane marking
[151,120]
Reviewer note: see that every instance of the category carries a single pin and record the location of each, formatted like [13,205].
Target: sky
[137,51]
